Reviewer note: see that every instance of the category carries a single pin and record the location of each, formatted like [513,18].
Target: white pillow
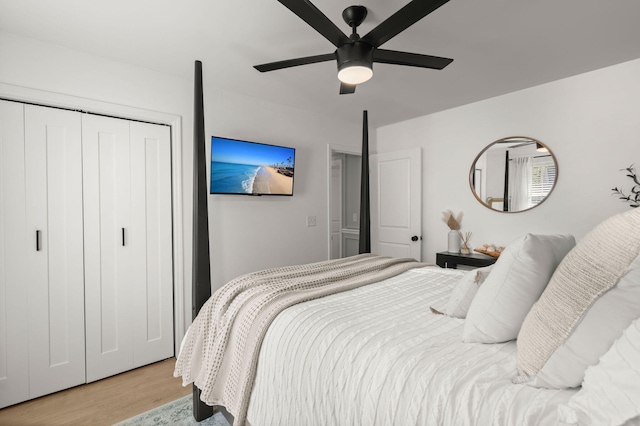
[582,280]
[517,280]
[464,291]
[600,326]
[610,393]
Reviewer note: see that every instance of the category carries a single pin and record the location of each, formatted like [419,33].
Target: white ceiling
[498,46]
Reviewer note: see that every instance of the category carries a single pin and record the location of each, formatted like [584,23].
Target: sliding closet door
[150,240]
[54,261]
[14,340]
[109,256]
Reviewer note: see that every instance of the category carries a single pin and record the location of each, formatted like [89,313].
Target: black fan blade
[347,89]
[295,62]
[317,20]
[401,20]
[410,59]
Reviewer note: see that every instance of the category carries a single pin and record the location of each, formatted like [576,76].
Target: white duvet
[377,355]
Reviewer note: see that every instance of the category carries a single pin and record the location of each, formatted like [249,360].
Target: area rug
[178,413]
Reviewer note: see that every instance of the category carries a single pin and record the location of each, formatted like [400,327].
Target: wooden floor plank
[104,402]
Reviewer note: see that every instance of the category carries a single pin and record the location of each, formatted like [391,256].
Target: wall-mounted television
[251,168]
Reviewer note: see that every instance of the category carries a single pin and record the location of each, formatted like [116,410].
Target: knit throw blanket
[220,351]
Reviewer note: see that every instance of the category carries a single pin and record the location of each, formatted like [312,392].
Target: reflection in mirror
[513,174]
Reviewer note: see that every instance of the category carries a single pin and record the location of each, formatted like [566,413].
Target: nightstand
[452,260]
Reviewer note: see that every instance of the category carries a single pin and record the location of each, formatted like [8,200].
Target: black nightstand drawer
[452,260]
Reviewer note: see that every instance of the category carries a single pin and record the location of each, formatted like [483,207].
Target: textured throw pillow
[591,269]
[600,326]
[610,394]
[516,281]
[465,290]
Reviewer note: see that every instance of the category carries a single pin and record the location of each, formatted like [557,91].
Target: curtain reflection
[520,179]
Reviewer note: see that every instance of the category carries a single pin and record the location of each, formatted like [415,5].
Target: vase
[454,242]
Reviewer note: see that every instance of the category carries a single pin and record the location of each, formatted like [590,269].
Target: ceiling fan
[356,55]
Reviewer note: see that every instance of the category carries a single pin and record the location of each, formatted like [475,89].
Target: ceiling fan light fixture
[355,74]
[355,62]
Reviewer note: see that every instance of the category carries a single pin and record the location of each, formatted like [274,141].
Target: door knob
[414,238]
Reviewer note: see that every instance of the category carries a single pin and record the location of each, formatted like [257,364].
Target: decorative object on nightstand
[465,248]
[453,222]
[490,250]
[634,197]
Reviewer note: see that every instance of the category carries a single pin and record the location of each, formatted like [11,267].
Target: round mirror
[513,174]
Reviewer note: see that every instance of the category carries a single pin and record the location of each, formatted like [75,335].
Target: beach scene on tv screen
[239,167]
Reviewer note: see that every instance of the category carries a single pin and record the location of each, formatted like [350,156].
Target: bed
[370,340]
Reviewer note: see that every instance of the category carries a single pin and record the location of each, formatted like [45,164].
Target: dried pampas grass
[453,222]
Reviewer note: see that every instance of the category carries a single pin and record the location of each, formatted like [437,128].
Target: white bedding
[220,352]
[377,355]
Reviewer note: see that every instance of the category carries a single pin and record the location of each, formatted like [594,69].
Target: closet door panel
[53,155]
[109,253]
[151,240]
[14,342]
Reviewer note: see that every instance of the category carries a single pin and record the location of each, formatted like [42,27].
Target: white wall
[253,233]
[589,121]
[247,233]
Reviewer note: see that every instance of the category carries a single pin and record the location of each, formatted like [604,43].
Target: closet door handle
[38,236]
[123,239]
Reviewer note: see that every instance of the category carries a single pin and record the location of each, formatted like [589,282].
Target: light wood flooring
[104,402]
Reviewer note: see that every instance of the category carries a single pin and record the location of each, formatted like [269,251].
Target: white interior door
[14,332]
[396,204]
[150,240]
[336,209]
[109,258]
[53,154]
[128,239]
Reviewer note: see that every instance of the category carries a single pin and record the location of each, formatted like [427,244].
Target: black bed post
[505,195]
[201,278]
[365,214]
